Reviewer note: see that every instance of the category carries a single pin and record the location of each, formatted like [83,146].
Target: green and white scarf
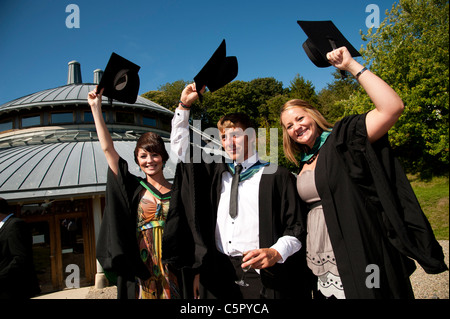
[320,140]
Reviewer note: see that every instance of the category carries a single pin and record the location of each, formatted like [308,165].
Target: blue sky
[169,39]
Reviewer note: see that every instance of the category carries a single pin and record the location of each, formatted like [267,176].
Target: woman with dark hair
[129,245]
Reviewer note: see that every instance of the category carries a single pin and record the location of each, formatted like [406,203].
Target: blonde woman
[364,220]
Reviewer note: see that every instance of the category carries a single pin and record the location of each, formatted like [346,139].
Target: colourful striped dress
[151,216]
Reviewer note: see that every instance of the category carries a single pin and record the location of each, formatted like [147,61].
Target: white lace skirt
[320,255]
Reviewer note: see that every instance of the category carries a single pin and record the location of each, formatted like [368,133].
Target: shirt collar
[5,219]
[249,162]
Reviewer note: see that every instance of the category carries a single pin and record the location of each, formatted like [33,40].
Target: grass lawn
[433,197]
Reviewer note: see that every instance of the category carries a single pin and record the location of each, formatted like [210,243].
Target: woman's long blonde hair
[290,147]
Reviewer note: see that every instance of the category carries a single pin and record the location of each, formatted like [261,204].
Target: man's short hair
[234,119]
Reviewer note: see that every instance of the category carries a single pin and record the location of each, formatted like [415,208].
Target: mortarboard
[218,71]
[120,80]
[323,37]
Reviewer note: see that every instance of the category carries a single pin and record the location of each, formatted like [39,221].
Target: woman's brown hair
[152,143]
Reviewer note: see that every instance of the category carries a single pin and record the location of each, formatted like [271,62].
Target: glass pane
[62,118]
[89,118]
[149,121]
[72,250]
[6,126]
[31,121]
[41,254]
[122,117]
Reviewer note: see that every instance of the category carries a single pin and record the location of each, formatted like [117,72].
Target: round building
[53,171]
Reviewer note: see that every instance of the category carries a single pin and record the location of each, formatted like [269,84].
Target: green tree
[265,89]
[240,96]
[168,94]
[410,52]
[304,90]
[329,98]
[233,97]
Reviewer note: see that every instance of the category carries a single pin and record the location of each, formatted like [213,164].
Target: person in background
[129,245]
[364,220]
[18,278]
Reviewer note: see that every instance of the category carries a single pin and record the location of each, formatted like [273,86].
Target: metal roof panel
[88,172]
[62,169]
[36,173]
[71,170]
[53,172]
[72,94]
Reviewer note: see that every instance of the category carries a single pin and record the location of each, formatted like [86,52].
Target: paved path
[425,286]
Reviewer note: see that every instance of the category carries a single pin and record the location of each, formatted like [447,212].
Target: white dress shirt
[238,235]
[233,236]
[179,136]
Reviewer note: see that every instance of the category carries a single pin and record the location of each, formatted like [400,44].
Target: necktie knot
[238,169]
[234,191]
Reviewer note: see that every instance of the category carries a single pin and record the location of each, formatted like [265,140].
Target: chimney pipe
[98,73]
[74,75]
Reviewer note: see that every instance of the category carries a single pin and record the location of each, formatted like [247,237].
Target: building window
[58,118]
[31,121]
[5,126]
[123,117]
[148,121]
[89,118]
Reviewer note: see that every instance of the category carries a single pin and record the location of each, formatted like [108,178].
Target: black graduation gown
[18,278]
[372,214]
[117,248]
[189,237]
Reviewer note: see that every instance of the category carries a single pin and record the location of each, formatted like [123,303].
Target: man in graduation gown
[201,234]
[18,278]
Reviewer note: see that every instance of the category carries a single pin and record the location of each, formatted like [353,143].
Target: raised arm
[189,96]
[112,157]
[179,135]
[388,105]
